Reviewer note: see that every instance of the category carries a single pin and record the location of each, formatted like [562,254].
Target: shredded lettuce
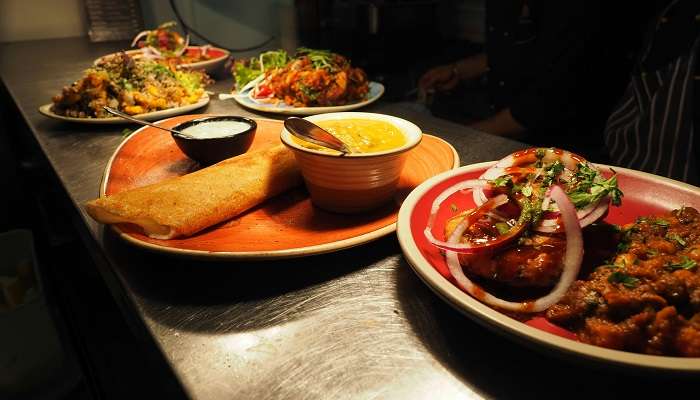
[247,70]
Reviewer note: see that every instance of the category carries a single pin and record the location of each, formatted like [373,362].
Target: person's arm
[501,124]
[446,77]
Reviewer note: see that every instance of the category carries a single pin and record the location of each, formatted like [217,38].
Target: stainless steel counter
[352,324]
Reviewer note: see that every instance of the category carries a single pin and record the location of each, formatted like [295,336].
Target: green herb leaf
[623,247]
[661,222]
[550,172]
[627,281]
[589,187]
[526,191]
[685,263]
[502,227]
[501,181]
[677,238]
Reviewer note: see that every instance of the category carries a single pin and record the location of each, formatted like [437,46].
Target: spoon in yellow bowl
[307,130]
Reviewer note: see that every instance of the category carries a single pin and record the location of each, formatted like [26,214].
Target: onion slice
[461,186]
[151,53]
[485,208]
[139,36]
[178,53]
[572,259]
[597,212]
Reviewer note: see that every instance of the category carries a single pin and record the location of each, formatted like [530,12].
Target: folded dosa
[187,204]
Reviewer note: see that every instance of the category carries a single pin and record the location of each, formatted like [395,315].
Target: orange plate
[285,226]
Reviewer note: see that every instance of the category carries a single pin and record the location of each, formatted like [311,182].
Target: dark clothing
[559,66]
[654,126]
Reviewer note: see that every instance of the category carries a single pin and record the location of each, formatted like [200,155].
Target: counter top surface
[353,324]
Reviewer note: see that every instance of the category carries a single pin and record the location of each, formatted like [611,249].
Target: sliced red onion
[178,53]
[151,53]
[572,259]
[203,50]
[139,36]
[551,222]
[479,196]
[464,247]
[597,212]
[461,186]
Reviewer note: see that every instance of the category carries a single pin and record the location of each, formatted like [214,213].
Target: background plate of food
[145,89]
[46,109]
[309,82]
[284,225]
[376,90]
[166,45]
[211,61]
[633,302]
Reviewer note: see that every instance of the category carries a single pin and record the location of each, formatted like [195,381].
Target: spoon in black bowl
[307,130]
[138,121]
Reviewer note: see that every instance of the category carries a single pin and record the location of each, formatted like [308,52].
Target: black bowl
[209,151]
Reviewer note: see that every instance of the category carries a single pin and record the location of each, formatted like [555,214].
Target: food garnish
[162,42]
[247,70]
[524,196]
[133,86]
[310,78]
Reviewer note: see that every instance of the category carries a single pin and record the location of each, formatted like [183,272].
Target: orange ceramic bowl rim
[411,132]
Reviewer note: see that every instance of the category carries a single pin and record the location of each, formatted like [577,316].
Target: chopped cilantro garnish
[308,92]
[623,247]
[526,191]
[589,187]
[502,227]
[685,263]
[627,281]
[661,222]
[502,181]
[551,172]
[652,252]
[677,238]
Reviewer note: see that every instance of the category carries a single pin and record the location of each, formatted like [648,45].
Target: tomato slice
[263,91]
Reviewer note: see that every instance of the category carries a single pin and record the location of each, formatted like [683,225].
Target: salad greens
[247,70]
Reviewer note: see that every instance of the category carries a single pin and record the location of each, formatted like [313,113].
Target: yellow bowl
[357,182]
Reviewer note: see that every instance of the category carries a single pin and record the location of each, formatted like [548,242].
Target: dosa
[187,204]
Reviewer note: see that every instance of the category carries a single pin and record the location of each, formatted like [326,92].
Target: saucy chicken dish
[535,245]
[310,78]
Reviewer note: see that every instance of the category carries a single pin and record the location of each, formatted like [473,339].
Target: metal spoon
[138,121]
[307,130]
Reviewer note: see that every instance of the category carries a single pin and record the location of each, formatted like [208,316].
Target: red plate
[644,194]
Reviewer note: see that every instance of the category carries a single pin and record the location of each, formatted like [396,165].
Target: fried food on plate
[187,204]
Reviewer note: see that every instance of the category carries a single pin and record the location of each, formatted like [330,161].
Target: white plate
[210,66]
[667,194]
[151,116]
[376,90]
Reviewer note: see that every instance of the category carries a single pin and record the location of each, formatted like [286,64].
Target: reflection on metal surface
[342,338]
